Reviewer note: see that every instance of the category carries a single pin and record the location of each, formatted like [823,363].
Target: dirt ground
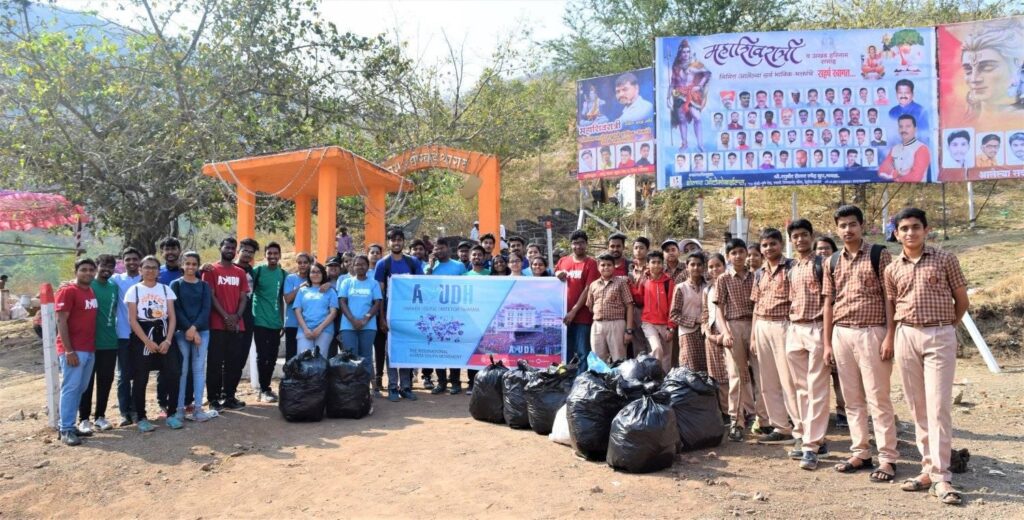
[430,459]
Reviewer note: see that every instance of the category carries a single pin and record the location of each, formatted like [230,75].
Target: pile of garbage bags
[313,387]
[632,415]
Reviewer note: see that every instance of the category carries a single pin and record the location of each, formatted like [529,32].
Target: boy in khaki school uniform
[856,339]
[926,292]
[770,295]
[611,302]
[804,347]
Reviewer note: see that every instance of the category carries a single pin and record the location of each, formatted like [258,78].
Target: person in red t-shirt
[76,309]
[228,353]
[578,271]
[654,293]
[616,246]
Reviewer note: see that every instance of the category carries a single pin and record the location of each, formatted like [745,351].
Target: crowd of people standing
[772,331]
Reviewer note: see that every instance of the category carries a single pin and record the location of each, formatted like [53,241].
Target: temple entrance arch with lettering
[476,164]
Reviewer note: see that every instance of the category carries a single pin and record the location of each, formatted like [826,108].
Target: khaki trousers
[607,339]
[774,382]
[927,361]
[659,337]
[865,381]
[736,362]
[810,374]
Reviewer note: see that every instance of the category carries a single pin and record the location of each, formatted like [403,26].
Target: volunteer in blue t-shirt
[314,310]
[359,300]
[292,283]
[399,380]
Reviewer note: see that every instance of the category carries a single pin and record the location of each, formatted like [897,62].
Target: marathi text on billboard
[615,125]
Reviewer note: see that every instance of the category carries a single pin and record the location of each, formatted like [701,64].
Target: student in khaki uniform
[804,347]
[770,295]
[856,339]
[685,313]
[926,292]
[611,302]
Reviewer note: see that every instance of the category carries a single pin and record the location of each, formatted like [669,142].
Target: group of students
[770,330]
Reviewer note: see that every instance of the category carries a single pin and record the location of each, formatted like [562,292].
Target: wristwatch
[629,331]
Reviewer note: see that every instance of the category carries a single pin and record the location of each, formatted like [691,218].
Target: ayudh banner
[461,321]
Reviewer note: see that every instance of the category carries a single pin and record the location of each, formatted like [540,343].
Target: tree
[121,118]
[609,36]
[860,14]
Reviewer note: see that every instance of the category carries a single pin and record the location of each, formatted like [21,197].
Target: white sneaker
[85,427]
[201,416]
[103,424]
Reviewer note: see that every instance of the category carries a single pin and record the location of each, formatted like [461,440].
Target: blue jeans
[192,356]
[323,341]
[72,386]
[124,379]
[578,343]
[360,342]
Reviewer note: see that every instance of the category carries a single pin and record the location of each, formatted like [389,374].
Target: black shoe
[736,433]
[456,390]
[217,405]
[428,384]
[70,438]
[841,422]
[439,389]
[407,394]
[775,437]
[797,453]
[233,404]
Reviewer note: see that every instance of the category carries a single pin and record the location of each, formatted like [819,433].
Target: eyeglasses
[149,267]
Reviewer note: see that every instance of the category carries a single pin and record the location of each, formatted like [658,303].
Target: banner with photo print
[461,321]
[615,125]
[981,97]
[796,108]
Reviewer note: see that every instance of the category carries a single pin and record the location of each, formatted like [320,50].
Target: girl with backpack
[192,310]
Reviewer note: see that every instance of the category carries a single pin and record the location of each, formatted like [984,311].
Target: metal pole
[944,235]
[551,243]
[970,204]
[50,364]
[979,342]
[700,217]
[885,209]
[579,221]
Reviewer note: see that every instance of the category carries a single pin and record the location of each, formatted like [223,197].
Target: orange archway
[483,166]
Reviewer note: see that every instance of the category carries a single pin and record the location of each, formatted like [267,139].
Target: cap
[685,241]
[334,260]
[669,242]
[465,244]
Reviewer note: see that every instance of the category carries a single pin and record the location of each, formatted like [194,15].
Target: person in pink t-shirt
[578,271]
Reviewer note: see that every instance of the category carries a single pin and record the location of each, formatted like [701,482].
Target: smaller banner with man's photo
[615,125]
[462,321]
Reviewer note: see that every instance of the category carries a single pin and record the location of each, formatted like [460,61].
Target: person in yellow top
[989,152]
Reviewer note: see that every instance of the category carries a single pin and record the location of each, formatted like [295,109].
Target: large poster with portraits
[794,108]
[981,99]
[615,125]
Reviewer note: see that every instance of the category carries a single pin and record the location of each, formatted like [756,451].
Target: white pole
[970,204]
[254,371]
[885,209]
[700,217]
[739,220]
[51,368]
[551,243]
[979,342]
[579,221]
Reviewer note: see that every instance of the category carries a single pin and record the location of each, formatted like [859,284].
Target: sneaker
[439,389]
[125,422]
[393,395]
[174,422]
[145,426]
[407,394]
[68,437]
[232,403]
[736,433]
[102,424]
[809,461]
[201,416]
[216,405]
[85,428]
[456,390]
[797,451]
[82,433]
[775,437]
[267,396]
[762,430]
[469,391]
[428,384]
[841,422]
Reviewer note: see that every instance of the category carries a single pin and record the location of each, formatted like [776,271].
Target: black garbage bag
[348,387]
[591,406]
[486,403]
[513,394]
[693,397]
[302,392]
[643,368]
[545,394]
[643,437]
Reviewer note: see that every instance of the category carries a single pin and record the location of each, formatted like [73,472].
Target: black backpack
[786,266]
[876,263]
[819,271]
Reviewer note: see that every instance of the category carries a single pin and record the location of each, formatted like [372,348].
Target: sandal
[950,496]
[883,477]
[848,467]
[915,484]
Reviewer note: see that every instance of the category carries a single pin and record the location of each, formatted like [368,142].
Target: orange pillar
[303,224]
[246,211]
[490,200]
[326,213]
[375,205]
